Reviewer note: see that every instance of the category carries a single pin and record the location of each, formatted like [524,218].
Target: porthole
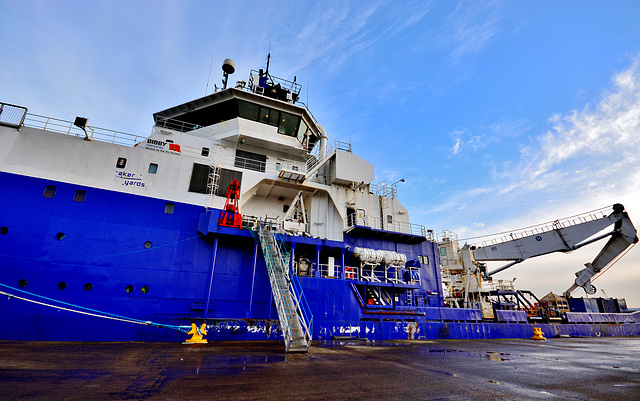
[4,230]
[168,208]
[49,191]
[62,285]
[129,289]
[121,163]
[80,195]
[88,287]
[144,289]
[22,283]
[148,244]
[153,168]
[61,236]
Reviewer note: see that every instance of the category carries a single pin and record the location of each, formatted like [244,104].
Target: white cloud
[487,136]
[595,145]
[472,26]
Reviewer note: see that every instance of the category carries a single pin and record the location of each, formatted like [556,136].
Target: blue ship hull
[116,267]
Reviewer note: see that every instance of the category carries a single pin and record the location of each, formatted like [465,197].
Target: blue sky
[499,115]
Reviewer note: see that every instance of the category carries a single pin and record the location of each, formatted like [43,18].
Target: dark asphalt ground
[559,368]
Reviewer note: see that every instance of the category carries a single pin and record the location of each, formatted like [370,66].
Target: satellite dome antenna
[228,67]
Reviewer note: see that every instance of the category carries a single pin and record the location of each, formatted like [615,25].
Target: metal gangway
[295,315]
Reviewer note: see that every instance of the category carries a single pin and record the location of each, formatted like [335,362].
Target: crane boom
[563,236]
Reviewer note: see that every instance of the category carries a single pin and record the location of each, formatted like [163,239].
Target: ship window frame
[302,132]
[205,152]
[263,115]
[121,162]
[80,195]
[169,208]
[199,180]
[153,170]
[250,161]
[287,128]
[226,178]
[49,191]
[248,110]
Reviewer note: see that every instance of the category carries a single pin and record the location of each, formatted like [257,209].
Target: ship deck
[567,368]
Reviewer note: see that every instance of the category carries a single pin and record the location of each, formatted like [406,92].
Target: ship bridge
[286,118]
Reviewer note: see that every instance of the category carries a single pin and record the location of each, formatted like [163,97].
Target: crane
[561,236]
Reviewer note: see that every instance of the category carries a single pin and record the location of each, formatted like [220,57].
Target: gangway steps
[295,320]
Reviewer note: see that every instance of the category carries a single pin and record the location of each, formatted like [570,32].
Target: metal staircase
[295,316]
[316,160]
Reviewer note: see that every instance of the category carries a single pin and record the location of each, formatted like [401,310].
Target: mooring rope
[91,312]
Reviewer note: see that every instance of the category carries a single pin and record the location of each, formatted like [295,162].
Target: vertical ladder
[212,184]
[294,313]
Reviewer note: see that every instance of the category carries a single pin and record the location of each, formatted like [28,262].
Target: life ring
[348,273]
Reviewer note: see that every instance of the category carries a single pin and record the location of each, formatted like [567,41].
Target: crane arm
[565,236]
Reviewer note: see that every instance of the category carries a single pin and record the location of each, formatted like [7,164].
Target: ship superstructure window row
[288,124]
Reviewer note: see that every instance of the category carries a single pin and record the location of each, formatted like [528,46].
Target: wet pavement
[559,368]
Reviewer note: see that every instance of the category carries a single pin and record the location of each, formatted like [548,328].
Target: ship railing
[544,227]
[94,133]
[272,80]
[329,271]
[384,189]
[175,125]
[249,164]
[377,223]
[12,115]
[349,272]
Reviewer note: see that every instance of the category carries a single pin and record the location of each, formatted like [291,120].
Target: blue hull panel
[122,257]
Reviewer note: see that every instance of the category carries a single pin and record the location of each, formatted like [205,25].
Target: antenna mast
[209,77]
[268,59]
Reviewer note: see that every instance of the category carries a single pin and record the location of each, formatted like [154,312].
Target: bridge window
[248,110]
[288,124]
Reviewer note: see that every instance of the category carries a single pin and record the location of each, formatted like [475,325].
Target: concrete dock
[559,368]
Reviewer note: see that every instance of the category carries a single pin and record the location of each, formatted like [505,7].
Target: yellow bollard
[538,334]
[197,334]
